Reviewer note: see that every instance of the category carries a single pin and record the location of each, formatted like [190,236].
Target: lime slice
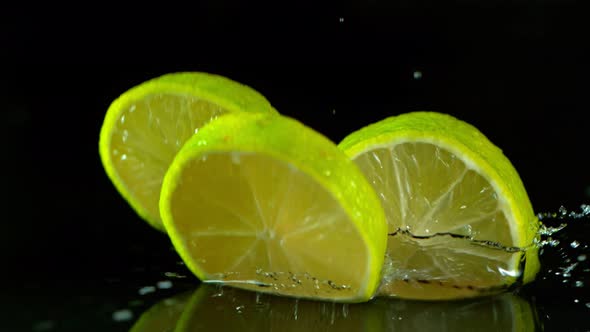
[460,221]
[265,203]
[224,309]
[146,126]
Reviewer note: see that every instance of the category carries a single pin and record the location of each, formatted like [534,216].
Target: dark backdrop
[517,71]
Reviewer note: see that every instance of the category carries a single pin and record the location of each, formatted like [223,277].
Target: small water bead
[122,315]
[240,309]
[588,305]
[576,301]
[579,283]
[581,258]
[165,284]
[575,244]
[146,290]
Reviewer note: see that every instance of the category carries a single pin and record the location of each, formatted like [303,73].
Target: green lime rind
[290,141]
[468,142]
[227,94]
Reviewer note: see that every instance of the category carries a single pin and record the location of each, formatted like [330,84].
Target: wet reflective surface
[163,296]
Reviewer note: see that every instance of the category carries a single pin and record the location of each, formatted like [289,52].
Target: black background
[518,71]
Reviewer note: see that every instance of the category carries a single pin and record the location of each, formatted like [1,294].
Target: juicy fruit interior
[255,222]
[146,138]
[438,208]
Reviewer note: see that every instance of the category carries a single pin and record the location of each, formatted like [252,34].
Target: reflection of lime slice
[265,203]
[145,127]
[506,312]
[162,316]
[456,207]
[226,309]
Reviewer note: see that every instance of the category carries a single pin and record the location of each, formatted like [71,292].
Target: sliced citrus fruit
[460,221]
[265,203]
[145,127]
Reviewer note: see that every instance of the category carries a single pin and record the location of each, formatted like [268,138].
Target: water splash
[564,248]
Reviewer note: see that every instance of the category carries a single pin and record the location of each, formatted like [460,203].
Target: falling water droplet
[582,258]
[575,244]
[579,283]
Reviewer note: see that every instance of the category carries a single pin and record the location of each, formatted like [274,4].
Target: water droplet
[240,309]
[334,111]
[122,315]
[123,157]
[417,74]
[122,119]
[327,172]
[582,258]
[579,283]
[165,284]
[576,301]
[146,290]
[575,244]
[196,130]
[562,210]
[341,19]
[588,305]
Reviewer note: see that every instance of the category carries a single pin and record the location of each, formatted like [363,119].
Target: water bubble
[122,315]
[417,74]
[575,244]
[582,258]
[123,157]
[341,19]
[576,301]
[240,309]
[579,283]
[588,305]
